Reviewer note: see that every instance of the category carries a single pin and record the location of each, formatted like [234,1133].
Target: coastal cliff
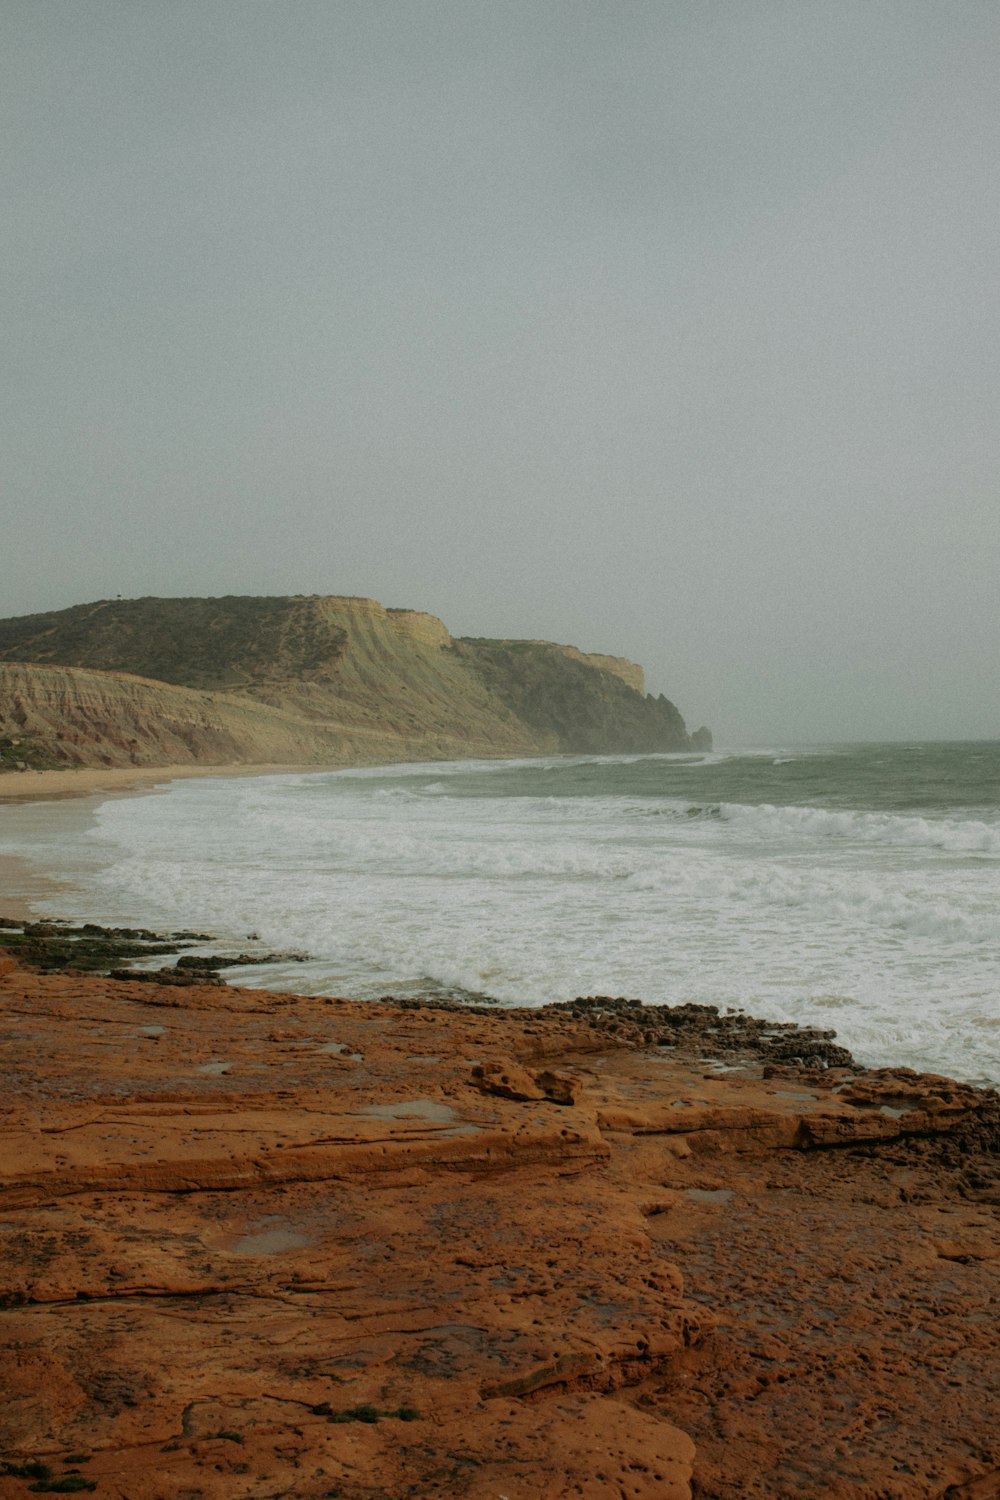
[317,680]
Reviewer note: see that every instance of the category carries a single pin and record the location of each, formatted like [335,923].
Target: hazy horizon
[665,331]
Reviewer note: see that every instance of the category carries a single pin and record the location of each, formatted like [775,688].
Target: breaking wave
[666,878]
[967,836]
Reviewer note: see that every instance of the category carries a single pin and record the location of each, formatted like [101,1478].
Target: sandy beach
[22,886]
[90,781]
[83,787]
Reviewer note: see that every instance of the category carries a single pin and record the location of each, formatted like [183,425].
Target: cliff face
[558,691]
[305,680]
[61,716]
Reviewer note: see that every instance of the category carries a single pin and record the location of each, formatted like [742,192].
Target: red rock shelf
[257,1245]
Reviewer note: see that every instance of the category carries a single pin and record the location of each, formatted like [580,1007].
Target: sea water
[853,887]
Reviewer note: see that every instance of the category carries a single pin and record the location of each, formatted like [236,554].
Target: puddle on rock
[434,1110]
[893,1106]
[273,1240]
[709,1195]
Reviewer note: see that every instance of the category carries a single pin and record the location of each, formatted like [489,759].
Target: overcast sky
[668,328]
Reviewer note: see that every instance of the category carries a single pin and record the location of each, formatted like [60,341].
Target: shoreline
[110,781]
[552,1248]
[64,782]
[22,885]
[47,806]
[23,888]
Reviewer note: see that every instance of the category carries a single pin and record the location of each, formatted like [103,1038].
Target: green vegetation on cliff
[203,643]
[306,680]
[587,709]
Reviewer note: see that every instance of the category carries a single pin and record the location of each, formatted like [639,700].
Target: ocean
[851,886]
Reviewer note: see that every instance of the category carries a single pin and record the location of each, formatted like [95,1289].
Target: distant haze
[668,329]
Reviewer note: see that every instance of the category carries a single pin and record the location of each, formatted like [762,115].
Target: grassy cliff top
[339,662]
[206,643]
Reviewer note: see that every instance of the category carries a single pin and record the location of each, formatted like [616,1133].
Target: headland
[319,681]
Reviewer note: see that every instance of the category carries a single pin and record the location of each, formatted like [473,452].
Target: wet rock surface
[719,1033]
[262,1245]
[58,946]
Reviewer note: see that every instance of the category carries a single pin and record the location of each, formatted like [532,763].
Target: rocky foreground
[254,1245]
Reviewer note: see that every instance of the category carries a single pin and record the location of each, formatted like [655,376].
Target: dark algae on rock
[56,946]
[714,1034]
[50,947]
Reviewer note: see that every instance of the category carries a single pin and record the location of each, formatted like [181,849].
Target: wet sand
[22,889]
[65,798]
[88,781]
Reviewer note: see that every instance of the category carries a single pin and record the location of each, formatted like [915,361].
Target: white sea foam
[962,836]
[537,881]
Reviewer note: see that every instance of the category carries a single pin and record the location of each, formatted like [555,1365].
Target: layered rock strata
[323,680]
[262,1245]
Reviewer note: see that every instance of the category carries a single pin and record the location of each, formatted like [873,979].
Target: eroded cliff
[317,680]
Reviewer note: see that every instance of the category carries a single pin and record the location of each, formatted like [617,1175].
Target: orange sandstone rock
[260,1245]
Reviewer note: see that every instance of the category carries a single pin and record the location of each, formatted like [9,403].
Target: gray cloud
[668,330]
